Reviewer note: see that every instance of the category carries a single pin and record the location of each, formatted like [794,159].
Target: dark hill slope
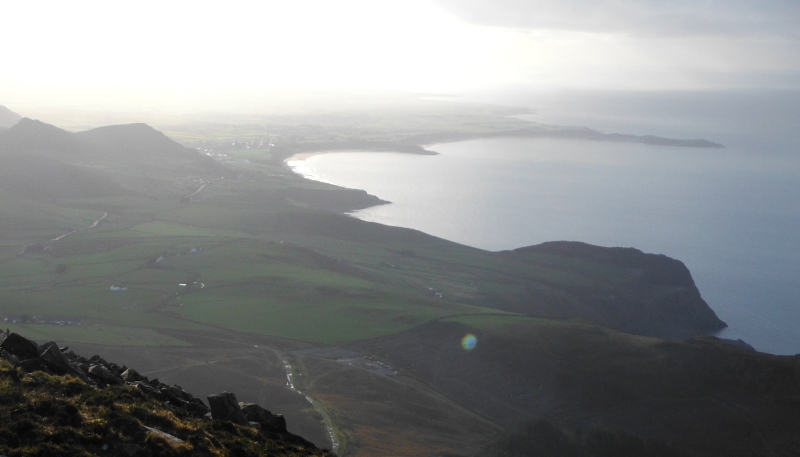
[30,136]
[140,142]
[35,176]
[35,160]
[41,160]
[8,117]
[647,294]
[707,397]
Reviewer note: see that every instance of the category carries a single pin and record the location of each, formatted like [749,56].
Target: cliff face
[646,294]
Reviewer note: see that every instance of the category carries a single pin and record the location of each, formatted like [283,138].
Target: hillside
[57,403]
[43,161]
[703,396]
[233,271]
[8,118]
[676,311]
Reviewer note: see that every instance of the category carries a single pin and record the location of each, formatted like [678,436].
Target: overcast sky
[179,51]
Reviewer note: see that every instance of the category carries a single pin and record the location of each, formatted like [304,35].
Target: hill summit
[8,117]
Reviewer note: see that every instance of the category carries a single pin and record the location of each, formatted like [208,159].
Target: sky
[183,53]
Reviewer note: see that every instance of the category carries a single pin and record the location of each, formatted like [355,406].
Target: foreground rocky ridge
[55,402]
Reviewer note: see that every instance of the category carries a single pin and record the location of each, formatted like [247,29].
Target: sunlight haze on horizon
[202,55]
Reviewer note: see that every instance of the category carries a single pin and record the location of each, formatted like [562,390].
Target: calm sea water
[732,215]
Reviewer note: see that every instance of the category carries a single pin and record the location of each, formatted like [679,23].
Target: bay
[731,215]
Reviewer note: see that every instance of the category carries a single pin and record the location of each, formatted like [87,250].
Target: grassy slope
[706,397]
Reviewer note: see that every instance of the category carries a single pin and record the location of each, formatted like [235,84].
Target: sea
[731,215]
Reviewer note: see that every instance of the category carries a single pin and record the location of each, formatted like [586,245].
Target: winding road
[94,224]
[325,418]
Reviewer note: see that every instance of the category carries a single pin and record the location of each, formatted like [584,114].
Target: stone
[257,426]
[5,355]
[104,374]
[270,422]
[177,392]
[55,359]
[130,375]
[175,399]
[20,346]
[174,440]
[224,407]
[31,365]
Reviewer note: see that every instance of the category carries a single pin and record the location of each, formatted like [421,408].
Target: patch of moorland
[702,396]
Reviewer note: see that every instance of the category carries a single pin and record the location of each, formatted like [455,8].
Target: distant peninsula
[416,144]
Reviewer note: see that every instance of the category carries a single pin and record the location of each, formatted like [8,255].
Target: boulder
[172,396]
[104,374]
[130,375]
[31,365]
[5,355]
[224,407]
[20,346]
[270,422]
[55,359]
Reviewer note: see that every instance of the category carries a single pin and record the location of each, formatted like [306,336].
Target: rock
[20,346]
[170,438]
[224,407]
[177,392]
[104,374]
[31,365]
[271,422]
[5,355]
[175,399]
[199,410]
[257,426]
[147,389]
[130,375]
[55,359]
[97,360]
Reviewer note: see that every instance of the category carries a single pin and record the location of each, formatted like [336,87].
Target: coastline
[296,164]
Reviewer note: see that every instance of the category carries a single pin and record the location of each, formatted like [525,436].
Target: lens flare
[469,342]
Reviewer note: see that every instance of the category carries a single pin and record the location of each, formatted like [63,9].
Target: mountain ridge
[8,118]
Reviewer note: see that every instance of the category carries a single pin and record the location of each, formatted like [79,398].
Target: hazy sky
[115,52]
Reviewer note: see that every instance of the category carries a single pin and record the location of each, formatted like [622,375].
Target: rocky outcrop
[99,373]
[224,407]
[274,423]
[94,371]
